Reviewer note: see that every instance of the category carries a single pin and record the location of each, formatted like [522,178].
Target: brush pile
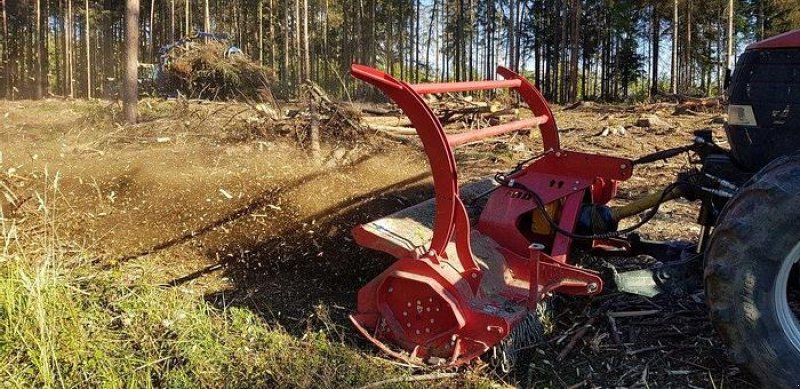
[213,71]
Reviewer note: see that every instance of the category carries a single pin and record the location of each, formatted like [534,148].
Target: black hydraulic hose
[511,183]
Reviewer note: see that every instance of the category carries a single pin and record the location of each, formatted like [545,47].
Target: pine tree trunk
[172,21]
[44,68]
[689,65]
[6,57]
[417,37]
[131,61]
[325,48]
[430,40]
[272,37]
[261,32]
[298,64]
[69,48]
[151,36]
[575,37]
[306,52]
[730,35]
[674,78]
[285,63]
[186,21]
[39,51]
[206,19]
[86,32]
[656,38]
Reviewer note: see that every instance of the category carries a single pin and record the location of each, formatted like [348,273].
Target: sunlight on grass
[63,323]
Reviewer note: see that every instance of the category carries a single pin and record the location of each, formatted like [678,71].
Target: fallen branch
[416,378]
[395,130]
[575,338]
[632,313]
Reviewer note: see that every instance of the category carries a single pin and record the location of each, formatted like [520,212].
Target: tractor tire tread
[742,260]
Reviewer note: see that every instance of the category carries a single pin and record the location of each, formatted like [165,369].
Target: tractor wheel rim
[786,317]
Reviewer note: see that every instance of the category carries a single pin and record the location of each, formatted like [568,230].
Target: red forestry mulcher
[474,263]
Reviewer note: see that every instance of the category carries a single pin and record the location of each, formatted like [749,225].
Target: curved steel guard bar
[456,140]
[538,106]
[440,155]
[435,142]
[444,87]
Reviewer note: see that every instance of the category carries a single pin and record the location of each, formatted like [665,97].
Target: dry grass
[69,320]
[65,323]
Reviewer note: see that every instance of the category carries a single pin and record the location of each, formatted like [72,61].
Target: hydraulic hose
[666,195]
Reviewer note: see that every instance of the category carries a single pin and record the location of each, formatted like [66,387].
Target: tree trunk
[151,35]
[674,78]
[130,94]
[206,19]
[656,38]
[730,35]
[512,28]
[430,40]
[172,21]
[261,32]
[68,45]
[689,65]
[86,32]
[43,49]
[576,37]
[6,56]
[187,19]
[39,51]
[285,63]
[306,52]
[298,64]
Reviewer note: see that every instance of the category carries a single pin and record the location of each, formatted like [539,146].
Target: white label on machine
[741,115]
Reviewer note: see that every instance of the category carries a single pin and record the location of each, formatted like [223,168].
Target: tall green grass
[64,323]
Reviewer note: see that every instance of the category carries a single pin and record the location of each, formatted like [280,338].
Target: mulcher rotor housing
[474,263]
[460,284]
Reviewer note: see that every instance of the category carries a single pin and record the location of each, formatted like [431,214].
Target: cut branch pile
[208,71]
[625,340]
[456,113]
[333,121]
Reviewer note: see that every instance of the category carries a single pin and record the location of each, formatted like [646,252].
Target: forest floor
[202,246]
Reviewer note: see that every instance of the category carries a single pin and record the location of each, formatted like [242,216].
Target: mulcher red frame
[456,314]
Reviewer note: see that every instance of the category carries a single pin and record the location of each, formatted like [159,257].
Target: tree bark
[306,52]
[151,35]
[731,60]
[172,21]
[131,93]
[39,51]
[87,33]
[575,37]
[68,45]
[272,38]
[656,38]
[6,56]
[261,32]
[285,62]
[187,19]
[298,65]
[674,77]
[206,19]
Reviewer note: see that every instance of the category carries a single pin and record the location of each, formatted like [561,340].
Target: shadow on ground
[310,262]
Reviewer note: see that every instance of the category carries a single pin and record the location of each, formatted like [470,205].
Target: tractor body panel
[764,110]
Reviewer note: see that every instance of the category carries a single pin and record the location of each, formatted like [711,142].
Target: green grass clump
[64,323]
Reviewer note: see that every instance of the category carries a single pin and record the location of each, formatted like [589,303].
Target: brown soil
[190,198]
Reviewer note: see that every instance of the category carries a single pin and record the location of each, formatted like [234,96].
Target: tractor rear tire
[748,264]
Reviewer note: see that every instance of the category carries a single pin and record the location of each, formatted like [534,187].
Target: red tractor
[474,263]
